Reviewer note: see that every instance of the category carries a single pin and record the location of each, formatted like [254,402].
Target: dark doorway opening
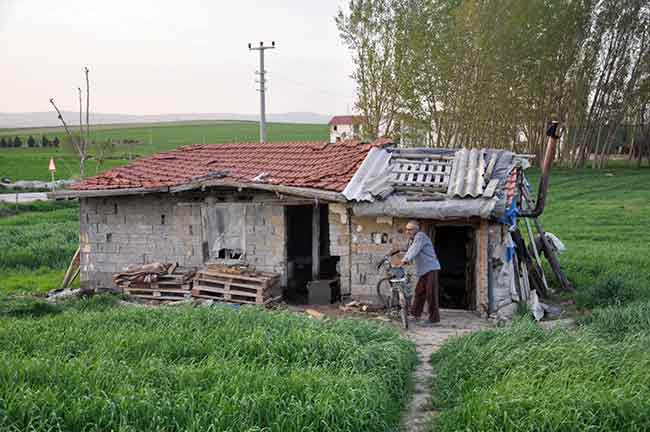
[455,249]
[301,236]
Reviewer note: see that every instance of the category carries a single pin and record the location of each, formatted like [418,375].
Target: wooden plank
[228,290]
[161,298]
[262,278]
[432,161]
[154,290]
[226,297]
[221,300]
[68,273]
[233,282]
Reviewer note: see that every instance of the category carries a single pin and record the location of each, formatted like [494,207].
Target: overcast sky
[167,56]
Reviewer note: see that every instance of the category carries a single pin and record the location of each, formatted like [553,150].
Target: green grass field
[595,377]
[602,217]
[31,163]
[216,369]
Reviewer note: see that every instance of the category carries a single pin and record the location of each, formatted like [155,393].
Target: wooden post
[481,267]
[74,266]
[552,258]
[315,242]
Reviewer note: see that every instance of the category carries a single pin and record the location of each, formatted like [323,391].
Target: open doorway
[455,249]
[302,233]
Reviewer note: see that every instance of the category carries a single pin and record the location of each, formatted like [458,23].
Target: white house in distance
[343,127]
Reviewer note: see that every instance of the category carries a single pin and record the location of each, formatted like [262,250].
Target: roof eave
[302,192]
[318,194]
[90,193]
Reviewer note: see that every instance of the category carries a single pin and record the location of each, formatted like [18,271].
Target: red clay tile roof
[300,164]
[350,119]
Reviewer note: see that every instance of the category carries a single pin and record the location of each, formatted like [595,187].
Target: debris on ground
[357,306]
[315,314]
[60,293]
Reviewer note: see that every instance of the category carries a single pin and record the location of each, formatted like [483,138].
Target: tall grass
[36,246]
[617,322]
[189,369]
[33,240]
[524,379]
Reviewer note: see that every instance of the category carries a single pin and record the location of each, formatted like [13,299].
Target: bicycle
[393,289]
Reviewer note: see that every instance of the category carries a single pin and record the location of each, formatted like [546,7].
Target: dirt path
[427,341]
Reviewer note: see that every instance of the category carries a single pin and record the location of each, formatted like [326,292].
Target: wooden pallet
[155,293]
[432,174]
[236,288]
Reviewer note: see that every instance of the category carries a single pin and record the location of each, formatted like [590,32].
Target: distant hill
[49,119]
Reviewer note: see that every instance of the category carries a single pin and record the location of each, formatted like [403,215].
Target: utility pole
[261,49]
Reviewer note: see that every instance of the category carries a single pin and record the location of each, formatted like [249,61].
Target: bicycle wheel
[403,310]
[385,292]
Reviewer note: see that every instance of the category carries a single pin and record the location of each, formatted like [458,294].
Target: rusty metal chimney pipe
[553,133]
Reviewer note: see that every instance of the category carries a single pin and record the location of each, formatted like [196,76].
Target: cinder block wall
[265,238]
[119,231]
[366,252]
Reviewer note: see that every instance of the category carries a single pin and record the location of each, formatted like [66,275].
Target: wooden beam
[315,242]
[104,192]
[481,267]
[289,190]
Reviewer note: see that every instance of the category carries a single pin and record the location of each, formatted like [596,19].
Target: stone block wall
[119,231]
[368,248]
[265,238]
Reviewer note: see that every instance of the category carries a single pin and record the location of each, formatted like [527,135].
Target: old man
[420,249]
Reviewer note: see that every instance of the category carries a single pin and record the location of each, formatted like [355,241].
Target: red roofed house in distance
[345,127]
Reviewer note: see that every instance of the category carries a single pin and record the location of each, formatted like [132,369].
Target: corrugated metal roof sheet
[467,176]
[370,179]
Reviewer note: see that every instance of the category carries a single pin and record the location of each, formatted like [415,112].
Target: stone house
[308,211]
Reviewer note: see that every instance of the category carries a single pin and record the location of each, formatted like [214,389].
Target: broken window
[225,253]
[225,230]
